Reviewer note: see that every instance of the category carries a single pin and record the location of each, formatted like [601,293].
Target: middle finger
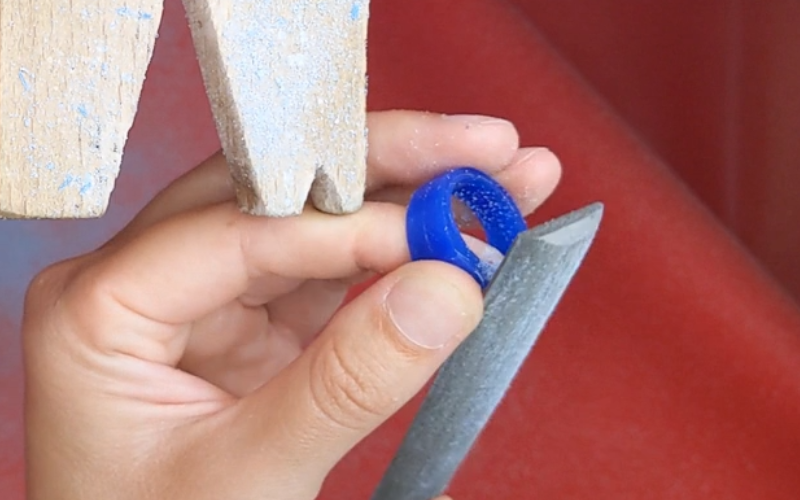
[405,148]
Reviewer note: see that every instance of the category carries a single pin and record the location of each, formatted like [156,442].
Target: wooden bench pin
[287,85]
[71,73]
[286,80]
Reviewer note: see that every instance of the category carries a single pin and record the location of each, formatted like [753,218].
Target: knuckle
[72,290]
[47,304]
[86,286]
[381,226]
[345,390]
[48,284]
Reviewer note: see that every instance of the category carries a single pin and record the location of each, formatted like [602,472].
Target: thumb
[373,357]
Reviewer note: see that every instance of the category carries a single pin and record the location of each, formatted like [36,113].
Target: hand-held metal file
[519,300]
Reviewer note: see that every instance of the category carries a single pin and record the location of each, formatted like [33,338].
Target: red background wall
[714,88]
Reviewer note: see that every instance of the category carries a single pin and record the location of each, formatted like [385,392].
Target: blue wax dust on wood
[128,12]
[24,79]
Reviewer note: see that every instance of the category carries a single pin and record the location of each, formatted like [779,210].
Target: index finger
[186,267]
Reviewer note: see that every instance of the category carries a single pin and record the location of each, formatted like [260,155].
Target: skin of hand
[203,353]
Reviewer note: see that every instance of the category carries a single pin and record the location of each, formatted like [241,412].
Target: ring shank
[433,233]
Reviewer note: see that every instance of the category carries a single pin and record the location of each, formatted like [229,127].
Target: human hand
[203,354]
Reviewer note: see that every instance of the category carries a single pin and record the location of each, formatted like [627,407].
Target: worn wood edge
[68,98]
[290,108]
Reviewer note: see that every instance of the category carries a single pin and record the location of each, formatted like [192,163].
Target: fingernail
[477,120]
[489,256]
[429,312]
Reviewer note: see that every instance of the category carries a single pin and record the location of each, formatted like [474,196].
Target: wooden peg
[287,84]
[71,72]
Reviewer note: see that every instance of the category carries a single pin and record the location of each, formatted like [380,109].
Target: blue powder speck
[87,185]
[82,110]
[25,85]
[68,180]
[355,11]
[128,12]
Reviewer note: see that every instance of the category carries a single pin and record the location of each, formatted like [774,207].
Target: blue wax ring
[433,233]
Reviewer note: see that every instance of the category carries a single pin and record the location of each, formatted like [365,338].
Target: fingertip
[500,135]
[532,177]
[408,147]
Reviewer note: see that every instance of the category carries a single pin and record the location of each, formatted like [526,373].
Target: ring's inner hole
[467,221]
[475,234]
